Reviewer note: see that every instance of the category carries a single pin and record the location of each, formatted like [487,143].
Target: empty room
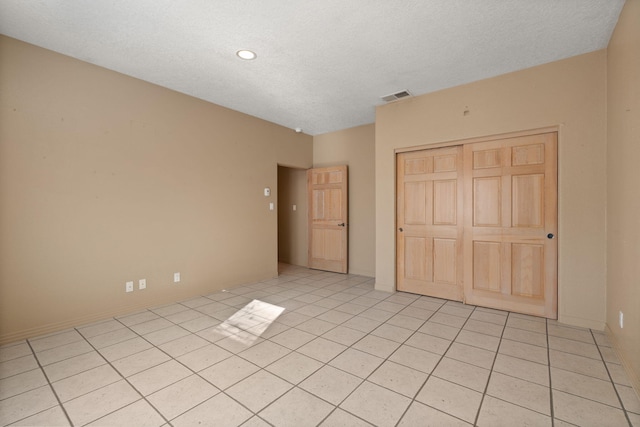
[419,213]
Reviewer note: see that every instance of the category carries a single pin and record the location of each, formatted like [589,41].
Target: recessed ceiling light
[246,54]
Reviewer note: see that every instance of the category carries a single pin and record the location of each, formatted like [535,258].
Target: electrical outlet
[176,277]
[128,287]
[621,317]
[142,284]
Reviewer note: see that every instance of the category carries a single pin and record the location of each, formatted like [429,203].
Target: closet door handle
[341,225]
[550,236]
[401,230]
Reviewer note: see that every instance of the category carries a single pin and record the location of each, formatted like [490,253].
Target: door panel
[328,200]
[487,201]
[415,203]
[487,265]
[527,270]
[444,261]
[444,202]
[510,264]
[418,262]
[429,232]
[527,200]
[483,159]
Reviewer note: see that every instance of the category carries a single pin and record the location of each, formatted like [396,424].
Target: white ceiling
[322,65]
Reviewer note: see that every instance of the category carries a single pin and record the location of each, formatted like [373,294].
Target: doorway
[292,216]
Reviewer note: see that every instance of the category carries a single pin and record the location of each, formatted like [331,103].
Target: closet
[477,222]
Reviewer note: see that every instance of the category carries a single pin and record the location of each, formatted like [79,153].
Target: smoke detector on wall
[396,96]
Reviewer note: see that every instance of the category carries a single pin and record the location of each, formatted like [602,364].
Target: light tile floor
[326,349]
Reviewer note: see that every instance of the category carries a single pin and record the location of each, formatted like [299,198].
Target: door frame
[495,137]
[296,194]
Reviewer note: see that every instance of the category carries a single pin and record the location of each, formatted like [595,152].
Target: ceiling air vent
[396,96]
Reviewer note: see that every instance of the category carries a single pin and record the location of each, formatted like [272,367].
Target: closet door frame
[551,292]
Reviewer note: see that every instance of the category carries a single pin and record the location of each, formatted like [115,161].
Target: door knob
[401,230]
[550,236]
[341,225]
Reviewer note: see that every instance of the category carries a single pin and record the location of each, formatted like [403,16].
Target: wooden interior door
[430,222]
[510,250]
[327,189]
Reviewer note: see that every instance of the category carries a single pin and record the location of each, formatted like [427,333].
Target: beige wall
[623,185]
[570,94]
[105,179]
[292,225]
[354,147]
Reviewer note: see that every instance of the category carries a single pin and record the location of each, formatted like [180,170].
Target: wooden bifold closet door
[483,231]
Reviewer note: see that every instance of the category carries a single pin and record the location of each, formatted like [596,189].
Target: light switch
[271,206]
[267,192]
[295,208]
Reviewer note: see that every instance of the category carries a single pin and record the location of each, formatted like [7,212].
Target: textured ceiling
[322,65]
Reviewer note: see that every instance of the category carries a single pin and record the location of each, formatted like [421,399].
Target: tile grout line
[613,384]
[515,357]
[314,281]
[551,408]
[622,408]
[324,364]
[584,375]
[122,376]
[317,336]
[548,348]
[493,363]
[170,357]
[107,362]
[259,367]
[412,400]
[35,356]
[490,370]
[191,370]
[221,391]
[335,406]
[512,376]
[296,386]
[151,344]
[442,356]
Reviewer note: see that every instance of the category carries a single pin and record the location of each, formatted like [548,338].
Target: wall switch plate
[271,206]
[128,287]
[176,277]
[295,208]
[621,318]
[142,284]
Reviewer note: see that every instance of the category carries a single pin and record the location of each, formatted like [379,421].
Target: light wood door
[510,250]
[430,222]
[328,223]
